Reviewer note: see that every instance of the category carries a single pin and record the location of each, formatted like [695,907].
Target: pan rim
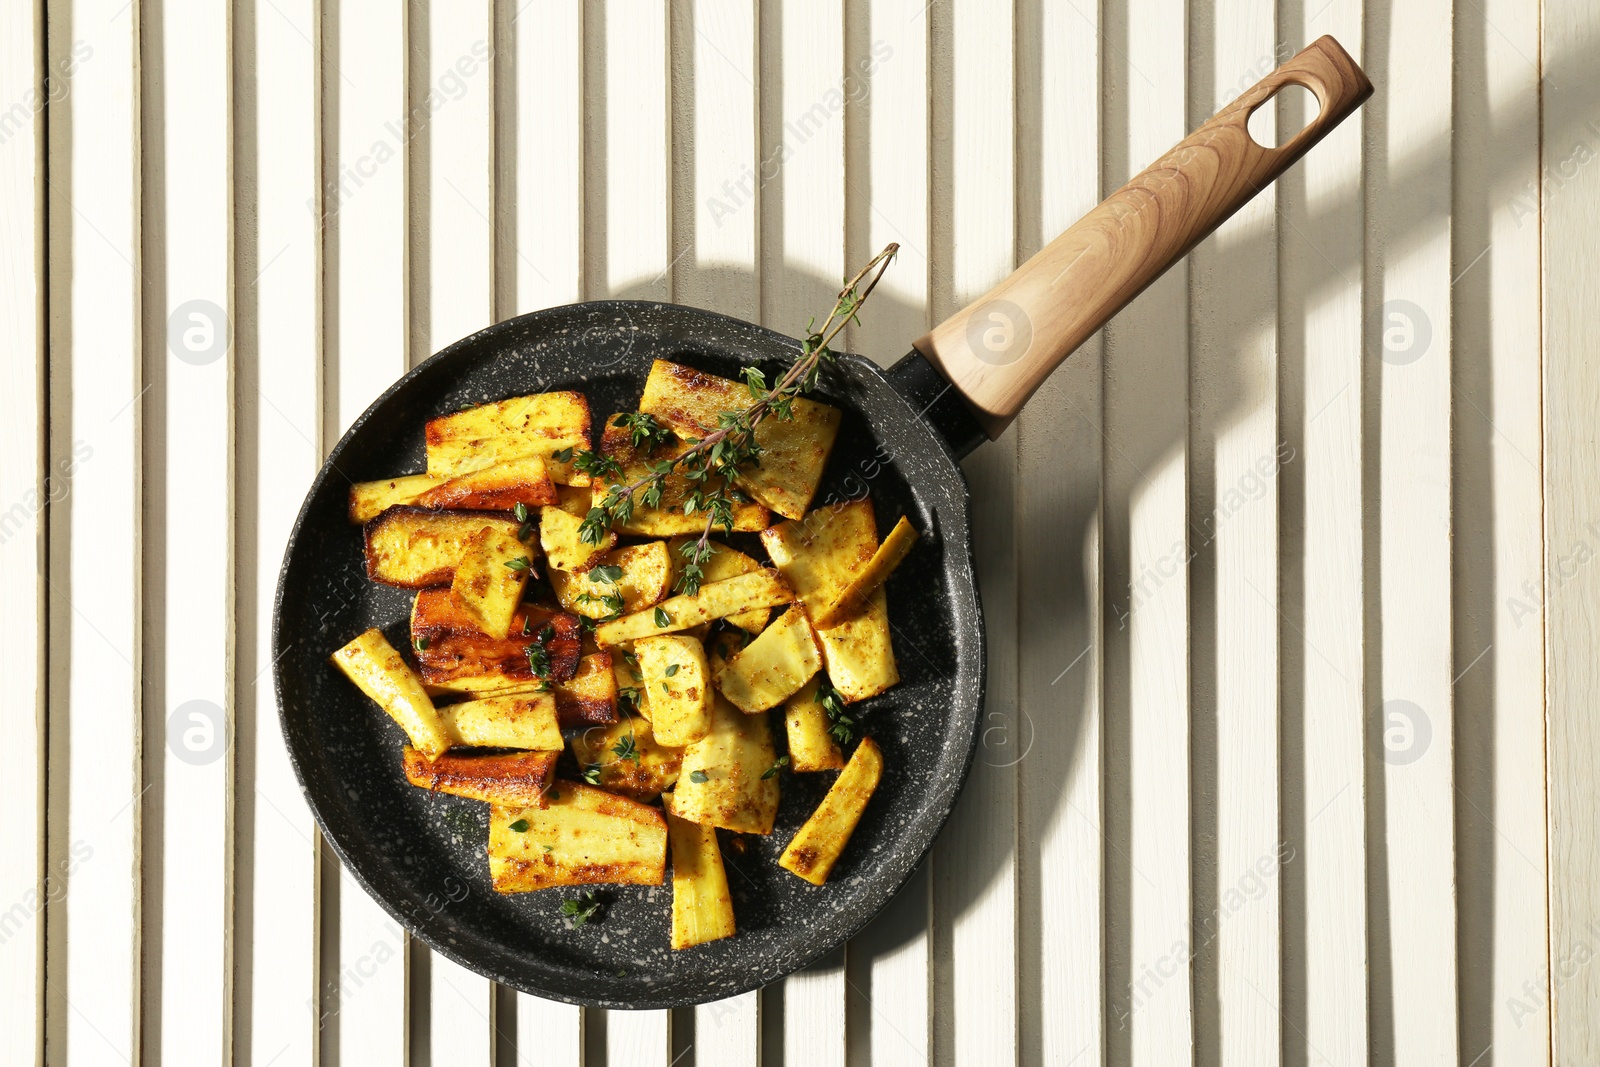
[758,976]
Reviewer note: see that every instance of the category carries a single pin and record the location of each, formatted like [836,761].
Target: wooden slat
[1571,99]
[538,206]
[452,295]
[92,971]
[715,223]
[189,476]
[1413,991]
[1324,749]
[279,347]
[1233,522]
[801,225]
[714,183]
[628,253]
[1061,984]
[627,147]
[540,147]
[888,966]
[634,1038]
[1499,662]
[1147,647]
[25,487]
[364,85]
[974,897]
[802,154]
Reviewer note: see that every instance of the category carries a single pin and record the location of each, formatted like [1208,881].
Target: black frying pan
[421,855]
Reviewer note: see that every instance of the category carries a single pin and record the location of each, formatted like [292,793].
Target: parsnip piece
[368,500]
[817,845]
[667,518]
[415,547]
[889,555]
[457,657]
[524,720]
[379,671]
[498,487]
[774,666]
[582,836]
[819,556]
[720,781]
[540,425]
[516,778]
[702,907]
[640,575]
[724,562]
[649,766]
[758,589]
[794,451]
[858,653]
[489,580]
[805,722]
[590,696]
[679,684]
[559,527]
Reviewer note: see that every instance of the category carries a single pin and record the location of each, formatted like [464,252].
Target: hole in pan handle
[997,350]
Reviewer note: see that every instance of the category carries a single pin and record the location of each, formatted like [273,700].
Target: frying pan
[421,855]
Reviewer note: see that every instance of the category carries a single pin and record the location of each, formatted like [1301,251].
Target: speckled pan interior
[422,855]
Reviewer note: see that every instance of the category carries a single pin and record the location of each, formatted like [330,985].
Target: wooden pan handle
[1000,348]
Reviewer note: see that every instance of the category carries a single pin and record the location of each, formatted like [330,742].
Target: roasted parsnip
[723,780]
[702,907]
[515,778]
[379,671]
[582,836]
[817,844]
[794,451]
[774,666]
[679,684]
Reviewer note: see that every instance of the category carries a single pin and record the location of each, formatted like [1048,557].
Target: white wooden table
[1292,735]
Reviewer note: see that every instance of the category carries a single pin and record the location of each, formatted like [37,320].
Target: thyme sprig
[711,463]
[840,724]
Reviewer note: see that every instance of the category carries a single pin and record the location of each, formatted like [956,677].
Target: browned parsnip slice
[559,533]
[819,556]
[590,696]
[889,555]
[457,657]
[818,843]
[516,778]
[625,579]
[702,907]
[582,836]
[629,758]
[794,451]
[415,547]
[379,671]
[720,782]
[551,426]
[522,720]
[667,519]
[805,721]
[679,684]
[368,500]
[499,487]
[762,589]
[774,666]
[489,580]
